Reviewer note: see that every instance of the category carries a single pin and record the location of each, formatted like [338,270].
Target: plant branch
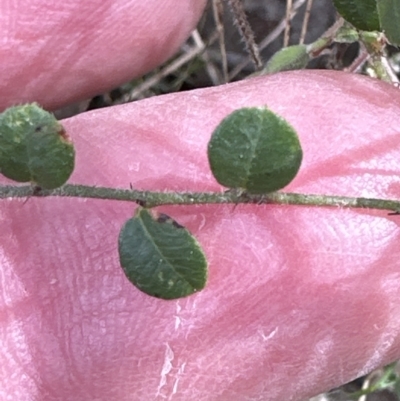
[152,199]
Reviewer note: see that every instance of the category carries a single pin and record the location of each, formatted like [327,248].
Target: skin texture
[60,52]
[298,299]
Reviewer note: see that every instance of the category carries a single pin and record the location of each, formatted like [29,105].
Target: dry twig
[286,36]
[245,31]
[218,9]
[305,21]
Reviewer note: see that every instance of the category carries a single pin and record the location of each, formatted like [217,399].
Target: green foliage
[363,14]
[160,257]
[252,149]
[389,16]
[373,15]
[34,147]
[255,150]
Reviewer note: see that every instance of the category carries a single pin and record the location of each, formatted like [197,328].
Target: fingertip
[58,55]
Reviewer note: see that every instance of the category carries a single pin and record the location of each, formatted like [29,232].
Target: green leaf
[363,14]
[160,257]
[289,58]
[34,147]
[389,17]
[255,150]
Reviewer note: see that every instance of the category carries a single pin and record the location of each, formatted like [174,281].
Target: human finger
[299,299]
[58,54]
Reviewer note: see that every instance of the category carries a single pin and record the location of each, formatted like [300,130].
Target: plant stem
[246,31]
[152,199]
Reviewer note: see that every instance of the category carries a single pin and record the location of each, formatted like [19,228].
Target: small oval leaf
[363,14]
[254,149]
[289,58]
[34,147]
[160,257]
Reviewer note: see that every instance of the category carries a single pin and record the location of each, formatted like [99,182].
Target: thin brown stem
[218,10]
[286,36]
[305,21]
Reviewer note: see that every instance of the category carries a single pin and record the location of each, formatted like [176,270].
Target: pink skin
[57,52]
[299,299]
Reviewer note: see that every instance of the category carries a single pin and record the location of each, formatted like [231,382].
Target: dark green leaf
[34,147]
[160,257]
[289,58]
[363,14]
[389,16]
[256,150]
